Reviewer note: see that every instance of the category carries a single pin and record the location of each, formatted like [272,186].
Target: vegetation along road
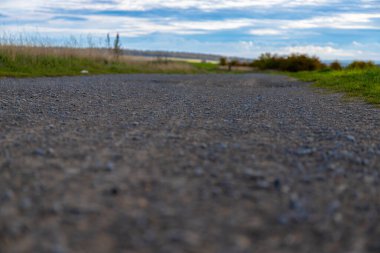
[185,163]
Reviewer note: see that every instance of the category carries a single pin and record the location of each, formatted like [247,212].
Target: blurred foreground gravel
[170,163]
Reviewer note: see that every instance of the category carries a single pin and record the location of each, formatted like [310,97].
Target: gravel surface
[170,163]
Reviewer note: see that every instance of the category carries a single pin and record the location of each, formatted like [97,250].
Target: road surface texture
[170,163]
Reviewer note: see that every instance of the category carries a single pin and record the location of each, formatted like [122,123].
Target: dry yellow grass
[67,52]
[19,60]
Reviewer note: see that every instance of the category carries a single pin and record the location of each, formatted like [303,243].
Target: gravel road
[171,163]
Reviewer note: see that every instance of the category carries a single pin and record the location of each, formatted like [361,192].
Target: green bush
[235,63]
[361,65]
[292,63]
[223,61]
[267,61]
[335,65]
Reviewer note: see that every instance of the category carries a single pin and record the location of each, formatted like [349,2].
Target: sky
[330,29]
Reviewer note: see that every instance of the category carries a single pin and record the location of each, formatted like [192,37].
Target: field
[30,60]
[34,61]
[363,83]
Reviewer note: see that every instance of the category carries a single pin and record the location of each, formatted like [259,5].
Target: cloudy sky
[331,29]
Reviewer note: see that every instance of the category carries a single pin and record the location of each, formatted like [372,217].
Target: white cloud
[326,52]
[265,32]
[132,26]
[183,4]
[339,21]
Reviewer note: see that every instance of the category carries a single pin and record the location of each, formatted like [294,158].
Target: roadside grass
[35,61]
[207,67]
[363,83]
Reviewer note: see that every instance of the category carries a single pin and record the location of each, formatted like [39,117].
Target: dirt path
[213,163]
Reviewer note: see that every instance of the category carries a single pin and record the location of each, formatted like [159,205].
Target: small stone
[72,172]
[243,242]
[305,151]
[198,171]
[253,174]
[8,195]
[283,219]
[25,204]
[173,136]
[39,152]
[16,228]
[338,217]
[285,189]
[56,208]
[110,166]
[203,145]
[84,72]
[294,202]
[351,138]
[333,207]
[222,146]
[58,249]
[277,184]
[50,152]
[263,184]
[192,238]
[369,179]
[175,236]
[136,138]
[341,188]
[114,191]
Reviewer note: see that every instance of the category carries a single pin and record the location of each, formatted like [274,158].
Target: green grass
[28,66]
[35,62]
[207,67]
[363,83]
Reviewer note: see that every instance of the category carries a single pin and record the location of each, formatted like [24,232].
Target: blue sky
[331,29]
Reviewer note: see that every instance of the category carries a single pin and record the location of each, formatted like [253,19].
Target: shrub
[361,65]
[267,61]
[223,61]
[292,63]
[335,65]
[302,62]
[235,63]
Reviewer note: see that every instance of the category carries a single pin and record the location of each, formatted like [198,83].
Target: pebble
[198,171]
[110,166]
[25,204]
[58,249]
[277,184]
[253,174]
[351,138]
[263,184]
[39,152]
[305,151]
[114,191]
[333,207]
[7,195]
